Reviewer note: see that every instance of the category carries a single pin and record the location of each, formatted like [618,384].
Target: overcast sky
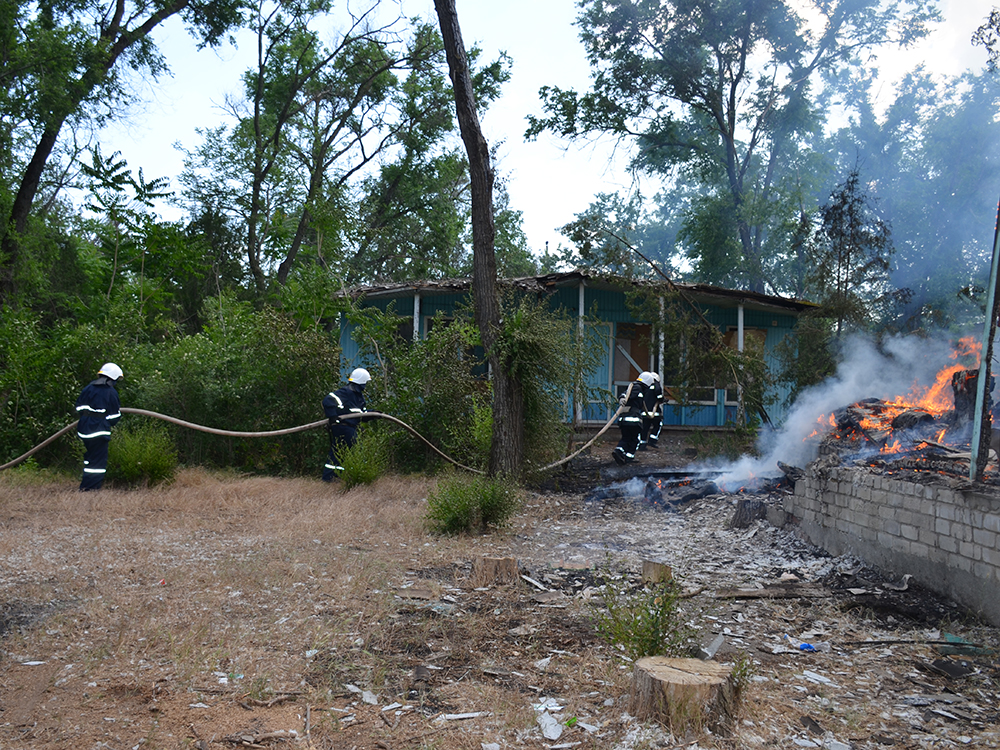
[549,180]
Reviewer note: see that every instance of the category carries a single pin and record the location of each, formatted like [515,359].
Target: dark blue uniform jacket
[98,409]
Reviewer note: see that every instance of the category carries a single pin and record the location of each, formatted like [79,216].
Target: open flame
[876,421]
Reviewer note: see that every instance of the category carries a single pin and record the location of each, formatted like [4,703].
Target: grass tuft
[141,455]
[464,504]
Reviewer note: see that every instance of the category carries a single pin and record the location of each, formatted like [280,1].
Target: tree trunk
[507,448]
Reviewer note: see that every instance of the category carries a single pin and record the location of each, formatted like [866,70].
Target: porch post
[581,295]
[416,316]
[739,327]
[659,370]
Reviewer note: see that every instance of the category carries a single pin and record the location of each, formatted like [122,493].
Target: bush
[642,622]
[247,371]
[141,455]
[462,504]
[367,459]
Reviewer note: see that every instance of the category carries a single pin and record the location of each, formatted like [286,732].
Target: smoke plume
[897,368]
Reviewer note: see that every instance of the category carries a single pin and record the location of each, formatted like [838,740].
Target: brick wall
[947,539]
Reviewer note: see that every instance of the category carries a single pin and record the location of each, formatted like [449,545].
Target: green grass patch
[463,504]
[141,455]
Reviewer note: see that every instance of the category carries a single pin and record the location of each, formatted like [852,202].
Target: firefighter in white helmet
[344,409]
[652,413]
[630,420]
[98,410]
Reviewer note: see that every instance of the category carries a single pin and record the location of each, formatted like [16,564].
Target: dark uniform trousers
[339,406]
[99,410]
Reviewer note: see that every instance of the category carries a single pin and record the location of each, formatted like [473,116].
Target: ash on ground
[841,652]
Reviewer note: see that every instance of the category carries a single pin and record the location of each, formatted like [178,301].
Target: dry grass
[223,608]
[217,591]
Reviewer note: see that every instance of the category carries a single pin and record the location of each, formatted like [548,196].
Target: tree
[988,36]
[719,92]
[412,219]
[507,447]
[62,63]
[932,156]
[851,266]
[336,159]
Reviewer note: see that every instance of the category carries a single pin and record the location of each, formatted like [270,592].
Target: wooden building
[601,303]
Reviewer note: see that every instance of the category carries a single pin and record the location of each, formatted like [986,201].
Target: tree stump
[748,510]
[489,571]
[656,572]
[683,694]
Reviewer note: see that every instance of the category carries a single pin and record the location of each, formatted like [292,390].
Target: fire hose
[289,431]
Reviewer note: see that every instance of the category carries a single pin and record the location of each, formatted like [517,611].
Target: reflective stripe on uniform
[105,433]
[84,407]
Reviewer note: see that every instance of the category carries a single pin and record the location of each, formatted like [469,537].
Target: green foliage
[702,358]
[688,80]
[543,350]
[42,370]
[367,459]
[141,455]
[731,443]
[642,622]
[744,670]
[851,263]
[248,371]
[464,504]
[435,385]
[438,386]
[808,357]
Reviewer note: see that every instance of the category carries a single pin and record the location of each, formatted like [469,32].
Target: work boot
[619,456]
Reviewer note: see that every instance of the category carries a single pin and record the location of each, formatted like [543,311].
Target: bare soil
[226,612]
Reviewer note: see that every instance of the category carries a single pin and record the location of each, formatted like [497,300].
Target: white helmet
[655,377]
[111,370]
[360,376]
[646,378]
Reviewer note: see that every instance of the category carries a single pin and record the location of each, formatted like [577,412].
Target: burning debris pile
[928,430]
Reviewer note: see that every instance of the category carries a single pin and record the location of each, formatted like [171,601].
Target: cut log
[683,694]
[656,572]
[490,571]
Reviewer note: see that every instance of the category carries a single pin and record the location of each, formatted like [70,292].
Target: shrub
[463,504]
[642,622]
[367,459]
[247,371]
[141,455]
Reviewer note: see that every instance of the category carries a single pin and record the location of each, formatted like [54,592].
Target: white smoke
[902,365]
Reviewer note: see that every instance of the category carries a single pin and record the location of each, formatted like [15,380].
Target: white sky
[549,180]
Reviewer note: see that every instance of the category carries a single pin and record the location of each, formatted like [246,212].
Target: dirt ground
[226,612]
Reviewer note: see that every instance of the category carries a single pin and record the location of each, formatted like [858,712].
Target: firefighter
[98,409]
[652,413]
[630,421]
[344,408]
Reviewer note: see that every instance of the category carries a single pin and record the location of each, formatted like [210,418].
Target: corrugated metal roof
[704,293]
